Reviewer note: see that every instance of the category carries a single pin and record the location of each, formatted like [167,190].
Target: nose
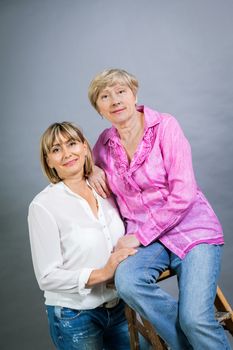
[116,100]
[66,152]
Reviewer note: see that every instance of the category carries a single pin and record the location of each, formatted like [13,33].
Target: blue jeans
[189,323]
[94,329]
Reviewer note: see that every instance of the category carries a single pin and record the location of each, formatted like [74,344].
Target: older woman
[147,161]
[73,232]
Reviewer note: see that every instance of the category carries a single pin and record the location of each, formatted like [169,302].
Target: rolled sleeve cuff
[82,281]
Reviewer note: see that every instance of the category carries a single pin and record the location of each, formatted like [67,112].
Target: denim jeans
[95,329]
[189,323]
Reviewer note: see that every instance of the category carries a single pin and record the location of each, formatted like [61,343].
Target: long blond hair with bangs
[53,133]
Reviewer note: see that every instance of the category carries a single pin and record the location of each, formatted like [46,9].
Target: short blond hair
[110,77]
[53,133]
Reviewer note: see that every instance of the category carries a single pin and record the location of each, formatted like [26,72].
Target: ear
[136,99]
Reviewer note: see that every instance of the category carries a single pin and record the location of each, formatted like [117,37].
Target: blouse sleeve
[182,186]
[47,256]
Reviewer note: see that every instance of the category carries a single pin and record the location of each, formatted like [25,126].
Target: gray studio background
[182,54]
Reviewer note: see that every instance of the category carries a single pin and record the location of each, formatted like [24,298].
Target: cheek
[53,161]
[98,106]
[102,107]
[100,110]
[80,151]
[49,162]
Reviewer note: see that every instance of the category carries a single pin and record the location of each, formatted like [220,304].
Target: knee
[124,280]
[190,323]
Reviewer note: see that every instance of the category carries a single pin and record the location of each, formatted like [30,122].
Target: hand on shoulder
[99,182]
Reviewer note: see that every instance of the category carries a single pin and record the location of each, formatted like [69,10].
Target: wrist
[96,277]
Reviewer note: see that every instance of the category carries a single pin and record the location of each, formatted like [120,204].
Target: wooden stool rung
[222,316]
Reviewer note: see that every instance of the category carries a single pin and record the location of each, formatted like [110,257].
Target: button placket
[105,228]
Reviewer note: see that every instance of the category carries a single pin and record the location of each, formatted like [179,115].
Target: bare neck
[76,184]
[131,135]
[131,128]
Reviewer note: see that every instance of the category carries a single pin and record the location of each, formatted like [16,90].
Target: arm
[47,256]
[181,184]
[107,272]
[98,179]
[48,260]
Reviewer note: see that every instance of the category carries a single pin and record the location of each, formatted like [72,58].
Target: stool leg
[131,318]
[155,340]
[144,328]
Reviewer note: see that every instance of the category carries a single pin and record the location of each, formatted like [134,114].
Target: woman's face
[67,157]
[117,104]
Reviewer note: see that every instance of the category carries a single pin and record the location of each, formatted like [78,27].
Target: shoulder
[171,126]
[155,118]
[100,149]
[167,124]
[104,136]
[164,125]
[50,192]
[168,118]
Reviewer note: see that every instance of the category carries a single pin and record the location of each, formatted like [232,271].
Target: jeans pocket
[65,313]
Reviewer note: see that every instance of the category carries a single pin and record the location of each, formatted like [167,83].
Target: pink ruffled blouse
[156,192]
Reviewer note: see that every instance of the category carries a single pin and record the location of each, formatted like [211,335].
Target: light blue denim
[95,329]
[189,323]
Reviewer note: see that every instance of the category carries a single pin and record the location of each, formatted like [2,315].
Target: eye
[121,91]
[104,97]
[73,143]
[55,150]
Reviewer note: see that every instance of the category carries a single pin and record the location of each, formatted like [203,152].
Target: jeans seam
[220,328]
[153,258]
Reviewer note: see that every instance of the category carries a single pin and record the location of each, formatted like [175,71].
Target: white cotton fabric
[68,242]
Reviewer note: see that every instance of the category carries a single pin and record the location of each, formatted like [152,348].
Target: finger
[117,247]
[133,252]
[104,186]
[127,251]
[121,258]
[99,189]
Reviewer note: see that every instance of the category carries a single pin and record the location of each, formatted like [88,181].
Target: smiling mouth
[70,163]
[118,110]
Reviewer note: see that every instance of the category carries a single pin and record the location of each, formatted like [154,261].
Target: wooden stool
[138,324]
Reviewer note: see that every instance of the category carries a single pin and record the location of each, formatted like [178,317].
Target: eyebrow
[59,144]
[104,91]
[117,85]
[55,144]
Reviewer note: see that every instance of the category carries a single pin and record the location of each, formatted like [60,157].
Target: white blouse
[68,242]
